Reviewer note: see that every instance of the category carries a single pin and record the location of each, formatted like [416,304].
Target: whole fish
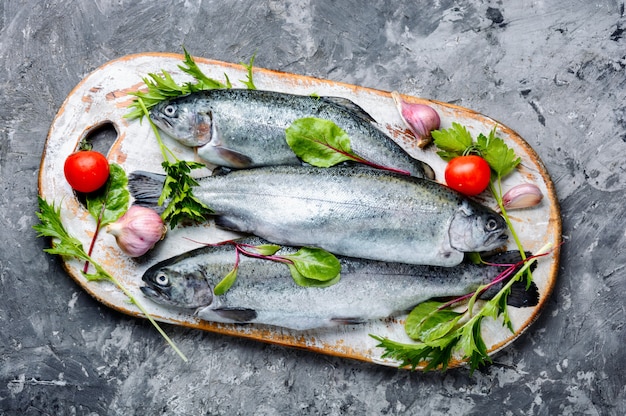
[265,293]
[240,128]
[348,211]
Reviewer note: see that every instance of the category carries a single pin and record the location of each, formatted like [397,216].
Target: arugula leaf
[472,344]
[452,142]
[67,246]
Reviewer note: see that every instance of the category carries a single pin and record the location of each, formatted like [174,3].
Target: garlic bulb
[525,195]
[138,230]
[419,118]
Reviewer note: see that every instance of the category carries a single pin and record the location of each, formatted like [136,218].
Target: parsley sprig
[441,331]
[68,246]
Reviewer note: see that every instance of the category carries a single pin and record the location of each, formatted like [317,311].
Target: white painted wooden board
[102,97]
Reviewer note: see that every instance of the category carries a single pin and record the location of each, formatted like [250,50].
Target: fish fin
[505,257]
[228,224]
[221,171]
[429,172]
[146,188]
[351,106]
[238,315]
[347,321]
[521,297]
[232,158]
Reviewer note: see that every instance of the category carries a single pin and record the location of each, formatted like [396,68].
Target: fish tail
[146,188]
[520,296]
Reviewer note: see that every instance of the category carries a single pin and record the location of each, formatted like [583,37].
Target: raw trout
[348,211]
[265,293]
[240,128]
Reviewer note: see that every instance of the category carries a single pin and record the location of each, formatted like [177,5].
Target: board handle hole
[101,136]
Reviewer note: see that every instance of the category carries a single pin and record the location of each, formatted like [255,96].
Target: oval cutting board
[102,98]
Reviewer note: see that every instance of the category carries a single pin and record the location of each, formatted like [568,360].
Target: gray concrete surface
[554,71]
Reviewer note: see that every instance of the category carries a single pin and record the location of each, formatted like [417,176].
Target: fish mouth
[161,122]
[496,240]
[154,292]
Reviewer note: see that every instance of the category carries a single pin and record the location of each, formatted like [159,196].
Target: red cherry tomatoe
[469,175]
[86,170]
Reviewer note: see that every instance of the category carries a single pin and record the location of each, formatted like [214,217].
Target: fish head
[176,286]
[476,228]
[184,121]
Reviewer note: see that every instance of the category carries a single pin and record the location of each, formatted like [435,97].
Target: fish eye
[491,224]
[169,110]
[162,279]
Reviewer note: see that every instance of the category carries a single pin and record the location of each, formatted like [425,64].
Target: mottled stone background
[554,71]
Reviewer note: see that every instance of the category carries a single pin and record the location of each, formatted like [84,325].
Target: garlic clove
[421,119]
[525,195]
[138,230]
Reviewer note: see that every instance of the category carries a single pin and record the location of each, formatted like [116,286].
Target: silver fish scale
[348,211]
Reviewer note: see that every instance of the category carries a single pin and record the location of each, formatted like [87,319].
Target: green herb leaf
[266,249]
[226,283]
[319,142]
[98,276]
[249,83]
[472,345]
[178,189]
[415,354]
[51,226]
[160,87]
[427,322]
[323,144]
[112,203]
[203,82]
[315,263]
[501,158]
[307,282]
[452,142]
